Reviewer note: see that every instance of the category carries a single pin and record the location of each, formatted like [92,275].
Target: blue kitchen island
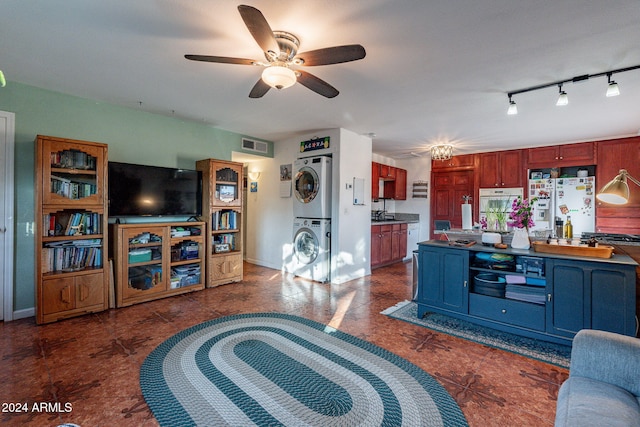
[538,295]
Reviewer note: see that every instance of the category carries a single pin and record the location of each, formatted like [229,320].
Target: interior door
[7,121]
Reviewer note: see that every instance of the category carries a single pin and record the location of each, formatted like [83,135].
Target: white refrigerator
[562,197]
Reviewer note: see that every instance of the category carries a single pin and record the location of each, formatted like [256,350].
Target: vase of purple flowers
[521,218]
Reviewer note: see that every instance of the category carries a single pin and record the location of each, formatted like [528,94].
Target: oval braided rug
[271,369]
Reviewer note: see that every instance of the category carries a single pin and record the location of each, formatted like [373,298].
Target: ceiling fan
[281,51]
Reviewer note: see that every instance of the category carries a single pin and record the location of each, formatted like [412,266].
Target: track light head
[563,99]
[513,108]
[612,89]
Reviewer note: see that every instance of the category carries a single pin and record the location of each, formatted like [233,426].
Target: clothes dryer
[312,187]
[312,249]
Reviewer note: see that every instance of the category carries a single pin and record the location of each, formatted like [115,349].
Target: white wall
[418,169]
[270,216]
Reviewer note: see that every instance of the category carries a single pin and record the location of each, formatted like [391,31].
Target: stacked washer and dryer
[312,218]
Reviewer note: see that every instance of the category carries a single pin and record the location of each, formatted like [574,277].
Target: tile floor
[85,370]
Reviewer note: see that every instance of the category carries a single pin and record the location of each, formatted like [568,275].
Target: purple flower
[521,215]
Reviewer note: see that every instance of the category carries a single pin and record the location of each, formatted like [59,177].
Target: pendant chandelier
[442,152]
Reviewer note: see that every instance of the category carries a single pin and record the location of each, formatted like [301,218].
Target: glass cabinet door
[72,174]
[146,269]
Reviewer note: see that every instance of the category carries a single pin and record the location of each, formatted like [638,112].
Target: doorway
[7,135]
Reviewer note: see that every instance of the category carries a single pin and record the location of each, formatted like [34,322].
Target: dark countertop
[394,221]
[617,258]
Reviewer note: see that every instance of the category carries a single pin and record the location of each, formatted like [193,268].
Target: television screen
[139,190]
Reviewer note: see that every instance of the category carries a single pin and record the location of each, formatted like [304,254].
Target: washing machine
[312,249]
[312,187]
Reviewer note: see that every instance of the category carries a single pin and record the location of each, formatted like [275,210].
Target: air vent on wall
[258,146]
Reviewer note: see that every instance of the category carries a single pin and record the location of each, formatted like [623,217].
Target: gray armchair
[603,388]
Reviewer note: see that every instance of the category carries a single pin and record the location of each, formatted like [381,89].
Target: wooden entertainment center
[151,260]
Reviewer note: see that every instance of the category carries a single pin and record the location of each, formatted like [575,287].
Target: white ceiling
[435,70]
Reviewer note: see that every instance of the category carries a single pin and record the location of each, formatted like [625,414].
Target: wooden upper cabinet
[562,155]
[400,186]
[465,161]
[387,173]
[501,169]
[375,180]
[614,155]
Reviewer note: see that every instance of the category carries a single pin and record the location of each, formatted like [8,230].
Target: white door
[7,121]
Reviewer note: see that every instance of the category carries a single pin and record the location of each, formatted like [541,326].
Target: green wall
[133,136]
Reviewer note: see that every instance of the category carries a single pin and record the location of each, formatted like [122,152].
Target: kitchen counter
[617,258]
[542,296]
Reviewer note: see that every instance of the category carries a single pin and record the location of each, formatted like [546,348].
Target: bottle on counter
[559,230]
[568,229]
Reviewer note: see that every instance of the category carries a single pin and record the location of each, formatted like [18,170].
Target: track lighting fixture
[612,89]
[513,108]
[563,99]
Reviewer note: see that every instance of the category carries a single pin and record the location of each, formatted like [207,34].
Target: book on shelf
[73,159]
[72,255]
[225,220]
[78,223]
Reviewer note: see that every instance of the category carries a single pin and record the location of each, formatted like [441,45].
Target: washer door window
[306,246]
[306,184]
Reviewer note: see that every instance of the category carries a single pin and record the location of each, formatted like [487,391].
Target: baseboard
[24,313]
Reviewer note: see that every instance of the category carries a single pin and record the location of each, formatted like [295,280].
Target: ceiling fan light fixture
[279,77]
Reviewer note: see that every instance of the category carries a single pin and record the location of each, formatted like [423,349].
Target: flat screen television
[140,190]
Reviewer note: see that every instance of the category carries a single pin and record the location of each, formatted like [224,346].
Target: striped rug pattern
[271,369]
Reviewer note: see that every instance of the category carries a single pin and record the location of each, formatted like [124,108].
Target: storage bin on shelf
[187,275]
[139,255]
[489,284]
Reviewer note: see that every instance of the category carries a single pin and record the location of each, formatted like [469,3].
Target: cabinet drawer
[502,310]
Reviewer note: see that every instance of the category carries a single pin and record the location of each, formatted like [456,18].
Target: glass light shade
[615,191]
[613,89]
[563,99]
[3,82]
[513,109]
[254,176]
[442,152]
[279,77]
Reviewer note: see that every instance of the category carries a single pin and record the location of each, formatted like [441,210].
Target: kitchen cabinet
[380,244]
[375,181]
[587,295]
[581,154]
[501,169]
[447,190]
[394,182]
[614,155]
[388,243]
[464,161]
[443,279]
[578,293]
[396,189]
[387,173]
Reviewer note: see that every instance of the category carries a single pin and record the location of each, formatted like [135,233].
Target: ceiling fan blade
[220,59]
[333,55]
[259,28]
[317,85]
[259,89]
